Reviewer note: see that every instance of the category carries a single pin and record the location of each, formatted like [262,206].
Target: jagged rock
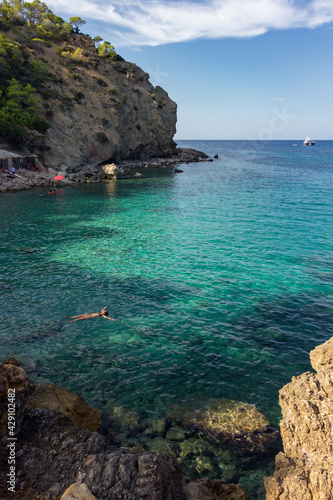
[81,178]
[14,382]
[111,171]
[95,179]
[55,397]
[226,422]
[216,156]
[305,470]
[188,155]
[78,491]
[54,457]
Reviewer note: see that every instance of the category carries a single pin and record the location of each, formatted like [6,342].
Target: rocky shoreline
[54,446]
[57,454]
[129,168]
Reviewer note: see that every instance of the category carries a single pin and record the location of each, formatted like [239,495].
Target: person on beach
[104,314]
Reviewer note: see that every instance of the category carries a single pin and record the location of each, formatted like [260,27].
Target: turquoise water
[220,278]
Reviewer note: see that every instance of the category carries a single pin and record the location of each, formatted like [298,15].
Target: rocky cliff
[99,109]
[305,470]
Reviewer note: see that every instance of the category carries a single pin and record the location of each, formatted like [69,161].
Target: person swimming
[104,314]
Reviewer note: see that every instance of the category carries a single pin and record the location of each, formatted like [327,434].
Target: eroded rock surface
[55,397]
[305,470]
[55,459]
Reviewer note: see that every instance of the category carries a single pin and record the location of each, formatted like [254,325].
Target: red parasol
[58,177]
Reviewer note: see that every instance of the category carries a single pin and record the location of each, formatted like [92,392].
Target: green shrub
[77,56]
[138,126]
[101,82]
[78,96]
[67,101]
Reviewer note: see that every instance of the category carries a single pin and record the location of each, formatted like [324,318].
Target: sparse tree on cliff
[98,40]
[77,22]
[104,49]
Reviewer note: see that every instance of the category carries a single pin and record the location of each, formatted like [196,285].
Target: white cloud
[157,22]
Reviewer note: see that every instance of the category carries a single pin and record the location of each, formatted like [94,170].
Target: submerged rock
[176,434]
[226,422]
[305,470]
[159,426]
[28,250]
[160,445]
[121,419]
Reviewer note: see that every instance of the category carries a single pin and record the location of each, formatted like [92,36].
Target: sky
[237,69]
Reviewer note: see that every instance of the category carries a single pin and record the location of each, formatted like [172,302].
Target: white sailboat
[308,142]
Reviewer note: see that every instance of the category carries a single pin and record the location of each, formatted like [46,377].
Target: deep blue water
[220,278]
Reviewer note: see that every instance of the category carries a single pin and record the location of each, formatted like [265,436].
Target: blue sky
[238,69]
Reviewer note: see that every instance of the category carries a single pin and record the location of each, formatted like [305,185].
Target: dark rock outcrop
[55,397]
[55,459]
[305,470]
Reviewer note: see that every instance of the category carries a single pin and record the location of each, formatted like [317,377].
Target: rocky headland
[95,111]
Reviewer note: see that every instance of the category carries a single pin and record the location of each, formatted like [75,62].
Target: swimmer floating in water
[104,313]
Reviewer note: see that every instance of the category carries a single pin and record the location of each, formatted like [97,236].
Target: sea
[219,278]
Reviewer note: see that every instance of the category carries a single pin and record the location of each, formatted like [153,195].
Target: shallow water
[220,278]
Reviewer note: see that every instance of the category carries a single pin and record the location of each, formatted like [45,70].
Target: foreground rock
[55,459]
[55,397]
[233,424]
[305,470]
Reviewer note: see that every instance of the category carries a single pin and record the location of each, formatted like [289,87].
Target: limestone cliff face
[305,470]
[101,109]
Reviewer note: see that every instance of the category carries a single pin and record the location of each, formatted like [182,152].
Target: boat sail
[309,142]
